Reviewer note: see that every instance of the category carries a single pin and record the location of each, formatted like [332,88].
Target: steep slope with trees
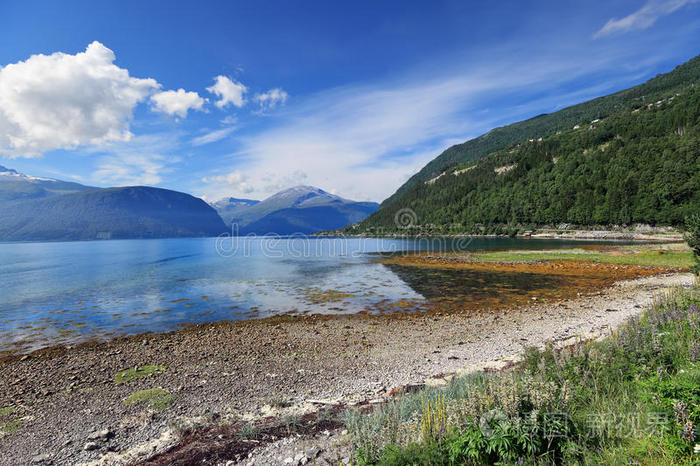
[631,157]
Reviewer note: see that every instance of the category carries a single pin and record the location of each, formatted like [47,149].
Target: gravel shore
[68,409]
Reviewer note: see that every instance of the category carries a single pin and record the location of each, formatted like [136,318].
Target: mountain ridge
[109,213]
[299,209]
[626,124]
[17,186]
[548,123]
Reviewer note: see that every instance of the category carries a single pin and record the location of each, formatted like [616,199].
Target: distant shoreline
[579,235]
[663,234]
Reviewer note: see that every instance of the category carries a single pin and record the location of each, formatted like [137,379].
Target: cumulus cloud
[62,101]
[642,18]
[235,181]
[177,102]
[270,99]
[228,91]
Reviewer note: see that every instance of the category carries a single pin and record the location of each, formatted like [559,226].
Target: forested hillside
[632,157]
[543,125]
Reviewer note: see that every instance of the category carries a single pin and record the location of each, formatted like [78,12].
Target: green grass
[11,427]
[672,259]
[633,398]
[156,399]
[137,373]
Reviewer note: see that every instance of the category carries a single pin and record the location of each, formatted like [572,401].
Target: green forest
[632,157]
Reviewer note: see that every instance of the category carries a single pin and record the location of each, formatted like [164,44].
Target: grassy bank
[657,257]
[673,256]
[633,398]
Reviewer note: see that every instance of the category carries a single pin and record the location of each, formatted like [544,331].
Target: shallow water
[60,293]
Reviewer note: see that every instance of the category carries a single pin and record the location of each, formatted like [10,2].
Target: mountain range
[628,157]
[301,209]
[45,209]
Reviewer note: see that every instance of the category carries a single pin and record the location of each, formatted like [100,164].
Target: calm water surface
[59,293]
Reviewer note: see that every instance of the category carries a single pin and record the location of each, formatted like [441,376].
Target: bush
[692,237]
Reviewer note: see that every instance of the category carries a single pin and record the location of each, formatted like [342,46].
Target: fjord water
[60,293]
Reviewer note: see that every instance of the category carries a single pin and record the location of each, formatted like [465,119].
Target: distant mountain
[229,207]
[111,213]
[44,209]
[301,209]
[17,186]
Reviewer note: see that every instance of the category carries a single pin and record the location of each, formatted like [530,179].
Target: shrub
[692,237]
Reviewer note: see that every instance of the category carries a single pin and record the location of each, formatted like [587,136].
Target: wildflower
[688,432]
[681,412]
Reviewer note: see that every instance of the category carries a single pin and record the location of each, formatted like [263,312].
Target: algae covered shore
[274,388]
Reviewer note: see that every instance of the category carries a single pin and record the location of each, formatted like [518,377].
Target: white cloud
[270,99]
[177,102]
[129,169]
[143,160]
[235,181]
[273,182]
[642,18]
[213,136]
[348,139]
[62,101]
[364,141]
[228,91]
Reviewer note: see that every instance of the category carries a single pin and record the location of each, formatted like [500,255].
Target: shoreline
[580,276]
[665,236]
[238,371]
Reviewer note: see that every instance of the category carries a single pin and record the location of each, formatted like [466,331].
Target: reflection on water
[58,293]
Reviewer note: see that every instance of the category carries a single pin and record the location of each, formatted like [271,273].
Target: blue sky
[247,98]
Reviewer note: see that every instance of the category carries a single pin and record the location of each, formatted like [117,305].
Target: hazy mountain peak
[303,195]
[5,170]
[11,172]
[299,209]
[300,190]
[233,201]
